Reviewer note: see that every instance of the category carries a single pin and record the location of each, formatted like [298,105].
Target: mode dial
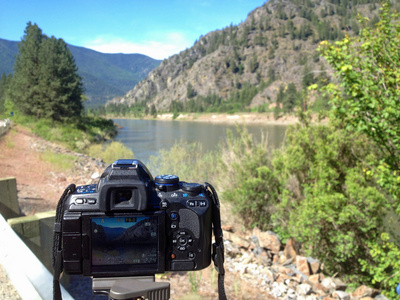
[167,182]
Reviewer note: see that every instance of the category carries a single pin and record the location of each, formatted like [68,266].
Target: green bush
[186,160]
[252,187]
[384,268]
[328,202]
[110,152]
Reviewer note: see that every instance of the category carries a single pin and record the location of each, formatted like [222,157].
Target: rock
[315,265]
[270,274]
[333,284]
[239,241]
[292,248]
[231,249]
[304,289]
[378,297]
[302,265]
[341,295]
[95,175]
[315,278]
[365,291]
[269,240]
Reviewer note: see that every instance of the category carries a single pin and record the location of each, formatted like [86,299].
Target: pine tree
[25,92]
[60,85]
[46,83]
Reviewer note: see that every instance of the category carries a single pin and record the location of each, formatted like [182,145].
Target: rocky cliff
[248,63]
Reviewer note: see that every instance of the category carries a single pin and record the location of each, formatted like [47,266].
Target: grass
[76,135]
[62,162]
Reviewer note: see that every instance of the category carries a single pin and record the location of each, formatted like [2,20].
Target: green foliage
[366,96]
[76,136]
[188,161]
[252,188]
[384,267]
[327,202]
[45,82]
[4,86]
[110,152]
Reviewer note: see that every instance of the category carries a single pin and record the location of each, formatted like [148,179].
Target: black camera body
[130,224]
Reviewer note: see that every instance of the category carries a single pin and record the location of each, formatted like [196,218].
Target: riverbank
[241,118]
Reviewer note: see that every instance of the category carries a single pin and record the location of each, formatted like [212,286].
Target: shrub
[110,152]
[328,202]
[384,268]
[252,187]
[186,160]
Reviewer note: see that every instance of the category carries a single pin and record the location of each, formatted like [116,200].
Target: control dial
[191,188]
[167,182]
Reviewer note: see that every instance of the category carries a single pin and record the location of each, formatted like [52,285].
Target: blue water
[148,137]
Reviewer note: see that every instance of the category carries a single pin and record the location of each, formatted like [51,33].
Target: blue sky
[157,28]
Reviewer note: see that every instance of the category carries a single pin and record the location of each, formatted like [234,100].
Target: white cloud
[169,44]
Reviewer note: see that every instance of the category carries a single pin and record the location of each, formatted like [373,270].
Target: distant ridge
[105,75]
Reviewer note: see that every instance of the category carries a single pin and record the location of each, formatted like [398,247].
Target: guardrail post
[9,206]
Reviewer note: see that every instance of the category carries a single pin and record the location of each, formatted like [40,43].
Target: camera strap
[57,249]
[218,246]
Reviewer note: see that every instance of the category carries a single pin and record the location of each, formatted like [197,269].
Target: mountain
[105,76]
[269,57]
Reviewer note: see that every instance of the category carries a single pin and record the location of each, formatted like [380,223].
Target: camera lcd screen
[124,240]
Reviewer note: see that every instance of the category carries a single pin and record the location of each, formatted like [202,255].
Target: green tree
[153,111]
[60,86]
[25,84]
[46,83]
[4,88]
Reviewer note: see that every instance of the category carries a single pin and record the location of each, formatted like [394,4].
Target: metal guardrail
[4,126]
[26,246]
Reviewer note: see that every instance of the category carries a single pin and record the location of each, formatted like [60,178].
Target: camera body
[130,224]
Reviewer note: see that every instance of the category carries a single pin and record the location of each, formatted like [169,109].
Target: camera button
[182,241]
[174,216]
[191,255]
[174,225]
[164,204]
[91,201]
[202,203]
[191,203]
[79,201]
[181,248]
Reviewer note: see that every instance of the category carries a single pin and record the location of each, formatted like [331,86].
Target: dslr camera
[130,224]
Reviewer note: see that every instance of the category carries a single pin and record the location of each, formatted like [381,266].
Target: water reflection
[148,137]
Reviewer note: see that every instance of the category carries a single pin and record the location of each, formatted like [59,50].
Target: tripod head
[131,288]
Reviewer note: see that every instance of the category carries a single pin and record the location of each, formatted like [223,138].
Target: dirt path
[39,183]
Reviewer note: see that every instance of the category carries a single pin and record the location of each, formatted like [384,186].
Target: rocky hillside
[244,66]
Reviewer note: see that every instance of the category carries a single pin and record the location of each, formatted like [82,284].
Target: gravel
[7,290]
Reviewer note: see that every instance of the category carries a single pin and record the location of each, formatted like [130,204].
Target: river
[147,137]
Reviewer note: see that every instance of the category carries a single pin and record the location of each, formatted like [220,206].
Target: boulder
[292,249]
[365,291]
[268,240]
[302,265]
[341,295]
[333,284]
